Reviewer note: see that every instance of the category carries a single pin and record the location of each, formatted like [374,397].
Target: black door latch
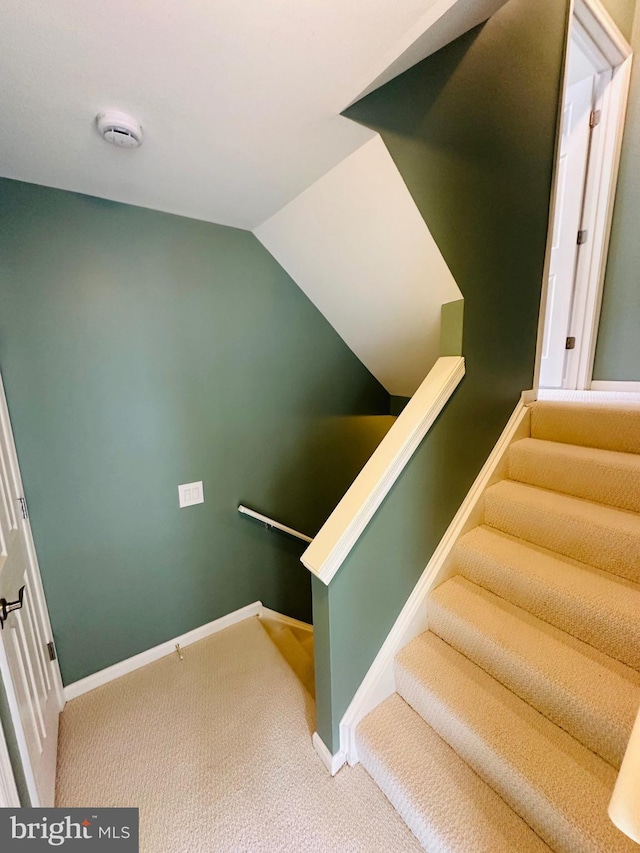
[7,607]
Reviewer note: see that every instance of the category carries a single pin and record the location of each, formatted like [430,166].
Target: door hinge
[582,237]
[594,118]
[570,344]
[52,651]
[23,507]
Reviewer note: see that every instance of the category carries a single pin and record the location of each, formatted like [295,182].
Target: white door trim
[603,30]
[9,797]
[593,22]
[631,387]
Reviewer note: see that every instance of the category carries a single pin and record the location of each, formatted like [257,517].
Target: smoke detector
[119,128]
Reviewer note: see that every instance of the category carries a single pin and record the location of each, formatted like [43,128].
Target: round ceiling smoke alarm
[119,128]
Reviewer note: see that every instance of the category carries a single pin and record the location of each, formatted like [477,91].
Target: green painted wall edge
[617,357]
[473,131]
[452,327]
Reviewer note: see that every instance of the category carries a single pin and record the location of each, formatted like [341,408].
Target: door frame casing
[593,22]
[9,797]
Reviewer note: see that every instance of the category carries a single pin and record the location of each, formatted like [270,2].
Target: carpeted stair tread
[601,536]
[589,604]
[307,645]
[445,804]
[607,426]
[558,786]
[586,693]
[301,634]
[292,651]
[605,476]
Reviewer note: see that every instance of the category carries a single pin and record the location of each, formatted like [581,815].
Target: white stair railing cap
[346,523]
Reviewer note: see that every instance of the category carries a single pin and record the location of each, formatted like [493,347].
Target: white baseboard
[602,385]
[285,620]
[333,763]
[379,682]
[104,676]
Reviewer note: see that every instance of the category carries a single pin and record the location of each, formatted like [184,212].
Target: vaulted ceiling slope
[240,101]
[357,245]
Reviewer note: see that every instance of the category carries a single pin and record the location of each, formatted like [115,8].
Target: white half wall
[356,244]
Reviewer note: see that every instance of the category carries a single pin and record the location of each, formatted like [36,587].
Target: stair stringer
[379,682]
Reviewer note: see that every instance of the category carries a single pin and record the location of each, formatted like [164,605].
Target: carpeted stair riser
[560,788]
[603,476]
[600,536]
[591,605]
[418,771]
[588,694]
[591,425]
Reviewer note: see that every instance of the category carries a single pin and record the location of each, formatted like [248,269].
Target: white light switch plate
[191,493]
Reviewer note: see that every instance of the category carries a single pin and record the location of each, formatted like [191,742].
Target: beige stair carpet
[216,752]
[601,536]
[604,425]
[603,476]
[308,646]
[530,672]
[446,804]
[591,605]
[559,787]
[582,690]
[293,645]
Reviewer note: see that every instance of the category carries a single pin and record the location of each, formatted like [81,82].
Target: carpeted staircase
[295,644]
[512,713]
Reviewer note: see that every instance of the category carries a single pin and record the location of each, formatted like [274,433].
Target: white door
[32,680]
[570,185]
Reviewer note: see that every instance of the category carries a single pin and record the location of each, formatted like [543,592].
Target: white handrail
[271,523]
[624,808]
[344,526]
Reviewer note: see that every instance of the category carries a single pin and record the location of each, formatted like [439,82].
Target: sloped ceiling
[239,101]
[357,245]
[457,19]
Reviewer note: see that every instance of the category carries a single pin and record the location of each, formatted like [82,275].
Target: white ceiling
[239,99]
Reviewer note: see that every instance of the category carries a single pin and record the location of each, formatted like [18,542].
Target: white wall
[357,245]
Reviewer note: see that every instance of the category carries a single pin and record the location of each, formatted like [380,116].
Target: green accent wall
[397,404]
[142,350]
[472,130]
[452,327]
[618,347]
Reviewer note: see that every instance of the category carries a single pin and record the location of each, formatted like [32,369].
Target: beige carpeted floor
[216,752]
